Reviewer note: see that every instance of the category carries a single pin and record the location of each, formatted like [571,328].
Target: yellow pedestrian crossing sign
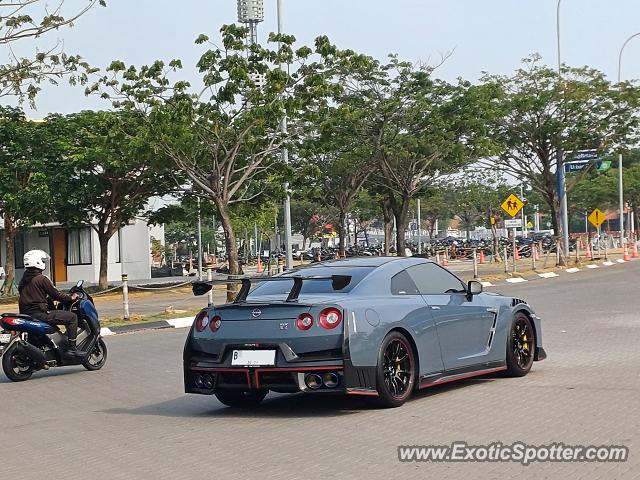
[512,205]
[597,218]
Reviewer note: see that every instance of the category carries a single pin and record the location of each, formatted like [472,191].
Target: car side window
[432,279]
[401,284]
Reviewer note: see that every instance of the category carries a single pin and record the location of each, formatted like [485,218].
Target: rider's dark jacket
[37,291]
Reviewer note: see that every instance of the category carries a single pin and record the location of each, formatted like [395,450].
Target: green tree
[22,20]
[227,139]
[539,116]
[108,173]
[418,127]
[26,157]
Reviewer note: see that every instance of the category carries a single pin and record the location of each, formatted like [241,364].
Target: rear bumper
[289,379]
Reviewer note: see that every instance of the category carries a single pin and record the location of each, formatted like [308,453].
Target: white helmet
[35,259]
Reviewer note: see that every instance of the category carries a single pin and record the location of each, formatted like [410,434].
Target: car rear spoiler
[338,282]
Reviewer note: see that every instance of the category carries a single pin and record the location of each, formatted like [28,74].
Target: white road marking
[620,260]
[516,280]
[592,266]
[105,332]
[183,322]
[572,270]
[487,284]
[607,263]
[548,275]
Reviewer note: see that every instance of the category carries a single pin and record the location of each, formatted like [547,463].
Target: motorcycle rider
[37,294]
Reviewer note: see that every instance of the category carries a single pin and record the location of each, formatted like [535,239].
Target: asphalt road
[132,421]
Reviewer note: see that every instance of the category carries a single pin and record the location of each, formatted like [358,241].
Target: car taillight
[330,318]
[215,323]
[202,320]
[304,321]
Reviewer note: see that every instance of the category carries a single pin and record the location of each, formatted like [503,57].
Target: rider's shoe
[73,352]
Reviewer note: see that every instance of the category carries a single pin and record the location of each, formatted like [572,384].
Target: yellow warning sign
[596,218]
[512,205]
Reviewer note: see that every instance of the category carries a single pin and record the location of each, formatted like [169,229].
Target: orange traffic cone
[481,257]
[625,257]
[536,252]
[517,254]
[445,260]
[588,251]
[634,253]
[259,269]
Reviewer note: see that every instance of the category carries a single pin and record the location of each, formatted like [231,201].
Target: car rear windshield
[313,286]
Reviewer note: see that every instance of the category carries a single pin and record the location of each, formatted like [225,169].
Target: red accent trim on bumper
[371,393]
[462,376]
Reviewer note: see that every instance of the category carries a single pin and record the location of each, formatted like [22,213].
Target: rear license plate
[5,337]
[253,358]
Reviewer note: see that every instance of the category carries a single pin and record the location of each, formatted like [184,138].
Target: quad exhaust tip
[205,381]
[314,381]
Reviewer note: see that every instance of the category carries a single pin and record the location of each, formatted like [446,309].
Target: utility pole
[285,159]
[561,187]
[199,242]
[419,232]
[620,183]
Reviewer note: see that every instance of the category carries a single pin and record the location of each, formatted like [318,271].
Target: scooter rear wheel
[15,366]
[96,358]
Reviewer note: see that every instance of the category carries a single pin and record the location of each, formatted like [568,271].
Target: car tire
[241,399]
[12,367]
[396,371]
[521,345]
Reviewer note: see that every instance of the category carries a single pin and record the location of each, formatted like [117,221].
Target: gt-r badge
[284,326]
[256,312]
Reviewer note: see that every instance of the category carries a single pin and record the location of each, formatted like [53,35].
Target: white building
[75,252]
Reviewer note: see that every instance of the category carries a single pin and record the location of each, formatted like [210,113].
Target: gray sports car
[378,326]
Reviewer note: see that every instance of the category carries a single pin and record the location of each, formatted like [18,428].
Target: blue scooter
[28,345]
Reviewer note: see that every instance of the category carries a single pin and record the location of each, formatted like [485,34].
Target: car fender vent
[517,301]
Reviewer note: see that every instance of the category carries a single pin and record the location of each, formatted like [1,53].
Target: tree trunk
[341,233]
[401,213]
[387,217]
[103,240]
[232,249]
[366,235]
[10,267]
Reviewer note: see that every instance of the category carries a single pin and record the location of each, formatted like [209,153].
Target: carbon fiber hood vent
[517,301]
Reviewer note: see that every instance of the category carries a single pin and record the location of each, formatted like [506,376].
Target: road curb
[183,322]
[547,275]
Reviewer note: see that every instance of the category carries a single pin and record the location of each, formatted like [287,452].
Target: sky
[484,35]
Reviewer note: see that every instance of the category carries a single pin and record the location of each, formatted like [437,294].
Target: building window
[18,250]
[79,246]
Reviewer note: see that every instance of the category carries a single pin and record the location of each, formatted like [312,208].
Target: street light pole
[199,242]
[419,232]
[620,183]
[285,159]
[562,191]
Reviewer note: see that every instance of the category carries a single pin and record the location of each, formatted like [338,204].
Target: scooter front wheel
[97,357]
[17,367]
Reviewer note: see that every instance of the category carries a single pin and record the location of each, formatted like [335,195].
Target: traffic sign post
[596,218]
[512,205]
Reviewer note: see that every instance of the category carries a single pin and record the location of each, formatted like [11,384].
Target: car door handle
[492,310]
[434,307]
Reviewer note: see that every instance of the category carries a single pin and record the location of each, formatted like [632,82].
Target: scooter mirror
[79,284]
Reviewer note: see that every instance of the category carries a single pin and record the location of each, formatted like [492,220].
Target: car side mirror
[473,288]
